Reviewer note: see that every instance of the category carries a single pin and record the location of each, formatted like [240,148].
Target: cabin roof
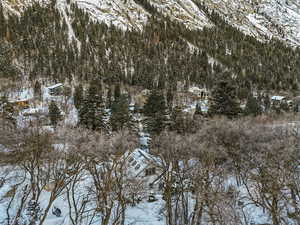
[139,160]
[55,86]
[277,98]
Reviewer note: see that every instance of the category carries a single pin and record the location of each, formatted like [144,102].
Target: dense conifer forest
[38,44]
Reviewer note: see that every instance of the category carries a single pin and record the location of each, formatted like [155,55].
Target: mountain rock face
[262,19]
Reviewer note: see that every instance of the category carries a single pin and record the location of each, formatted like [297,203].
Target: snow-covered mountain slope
[260,18]
[124,14]
[129,14]
[184,11]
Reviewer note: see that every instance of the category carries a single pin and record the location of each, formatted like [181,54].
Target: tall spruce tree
[117,91]
[180,122]
[253,106]
[155,112]
[54,114]
[120,115]
[78,96]
[92,112]
[224,100]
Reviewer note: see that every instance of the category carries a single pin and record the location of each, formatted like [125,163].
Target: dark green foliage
[224,99]
[53,56]
[155,112]
[7,68]
[91,112]
[78,96]
[156,58]
[120,116]
[54,114]
[155,124]
[180,121]
[117,92]
[253,106]
[155,103]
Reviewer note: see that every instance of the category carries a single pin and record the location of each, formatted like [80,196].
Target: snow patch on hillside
[127,15]
[262,19]
[63,6]
[183,11]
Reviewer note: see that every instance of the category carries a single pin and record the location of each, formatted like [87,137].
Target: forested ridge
[40,46]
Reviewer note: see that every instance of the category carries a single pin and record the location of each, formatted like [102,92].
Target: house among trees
[21,99]
[201,93]
[56,89]
[277,99]
[144,165]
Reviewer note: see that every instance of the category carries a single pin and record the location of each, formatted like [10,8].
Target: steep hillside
[262,19]
[153,48]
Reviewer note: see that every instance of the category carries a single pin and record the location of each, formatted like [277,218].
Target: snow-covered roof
[197,90]
[278,98]
[34,111]
[55,86]
[139,160]
[194,89]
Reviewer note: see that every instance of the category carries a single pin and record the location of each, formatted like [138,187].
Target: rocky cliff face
[263,19]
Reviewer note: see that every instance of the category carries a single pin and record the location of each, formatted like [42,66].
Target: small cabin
[20,99]
[201,93]
[56,89]
[143,165]
[20,104]
[276,100]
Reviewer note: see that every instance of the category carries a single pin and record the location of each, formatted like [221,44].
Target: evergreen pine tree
[117,91]
[54,114]
[155,112]
[224,100]
[78,96]
[91,112]
[252,106]
[120,115]
[179,122]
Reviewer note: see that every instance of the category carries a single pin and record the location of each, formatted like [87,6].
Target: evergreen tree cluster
[157,56]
